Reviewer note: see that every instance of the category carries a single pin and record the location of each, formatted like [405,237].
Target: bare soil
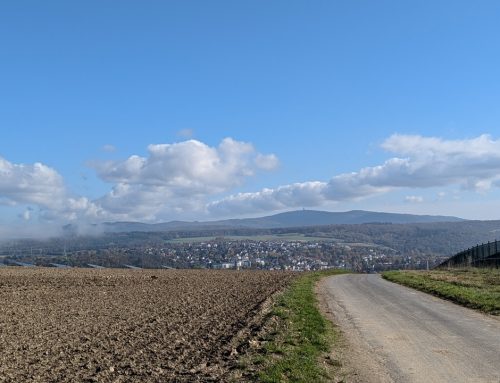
[109,325]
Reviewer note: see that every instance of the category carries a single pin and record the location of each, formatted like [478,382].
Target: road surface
[396,334]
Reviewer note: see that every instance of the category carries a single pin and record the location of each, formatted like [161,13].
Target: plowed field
[82,325]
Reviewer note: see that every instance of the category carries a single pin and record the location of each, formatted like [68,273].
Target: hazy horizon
[84,228]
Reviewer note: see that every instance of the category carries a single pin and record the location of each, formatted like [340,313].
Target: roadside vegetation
[471,287]
[296,349]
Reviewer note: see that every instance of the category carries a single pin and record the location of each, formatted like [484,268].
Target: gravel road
[397,334]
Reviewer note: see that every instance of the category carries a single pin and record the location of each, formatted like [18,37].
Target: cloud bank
[177,178]
[172,180]
[191,178]
[420,162]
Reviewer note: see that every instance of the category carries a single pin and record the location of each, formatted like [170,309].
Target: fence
[485,255]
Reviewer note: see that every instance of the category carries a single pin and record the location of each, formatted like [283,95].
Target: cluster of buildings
[226,253]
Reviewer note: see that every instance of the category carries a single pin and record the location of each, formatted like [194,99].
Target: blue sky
[316,90]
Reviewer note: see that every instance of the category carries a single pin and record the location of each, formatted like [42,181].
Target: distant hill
[298,218]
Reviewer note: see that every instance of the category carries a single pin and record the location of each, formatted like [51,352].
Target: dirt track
[396,334]
[127,325]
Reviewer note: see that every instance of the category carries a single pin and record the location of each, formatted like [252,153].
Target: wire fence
[484,255]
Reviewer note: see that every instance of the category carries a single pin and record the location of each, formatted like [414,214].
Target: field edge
[481,298]
[299,339]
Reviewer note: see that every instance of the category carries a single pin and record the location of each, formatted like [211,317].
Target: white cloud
[266,162]
[186,166]
[30,184]
[177,178]
[109,148]
[414,199]
[185,133]
[471,163]
[441,195]
[26,215]
[421,162]
[171,181]
[284,197]
[40,185]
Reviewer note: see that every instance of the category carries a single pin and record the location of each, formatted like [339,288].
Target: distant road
[396,334]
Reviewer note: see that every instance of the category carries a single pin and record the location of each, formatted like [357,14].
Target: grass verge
[301,337]
[471,287]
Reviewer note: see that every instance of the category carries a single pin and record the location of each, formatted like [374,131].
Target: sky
[198,110]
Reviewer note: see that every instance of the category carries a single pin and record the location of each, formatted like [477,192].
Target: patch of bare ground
[109,325]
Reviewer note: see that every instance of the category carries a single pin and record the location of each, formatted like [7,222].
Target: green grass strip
[455,285]
[293,354]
